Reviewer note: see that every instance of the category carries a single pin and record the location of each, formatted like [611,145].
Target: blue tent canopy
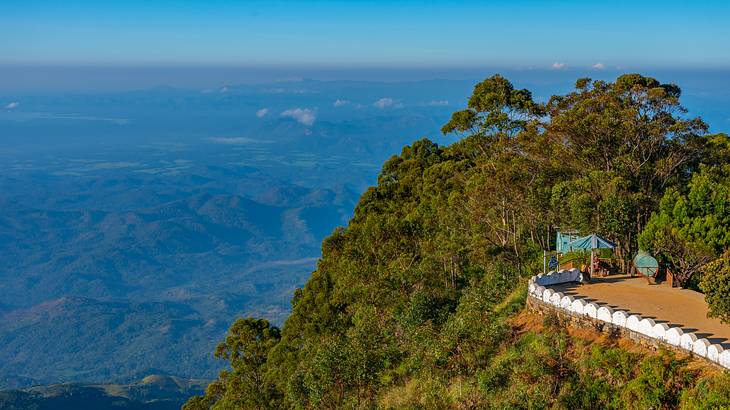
[563,240]
[589,242]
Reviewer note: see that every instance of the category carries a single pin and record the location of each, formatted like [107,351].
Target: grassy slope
[542,364]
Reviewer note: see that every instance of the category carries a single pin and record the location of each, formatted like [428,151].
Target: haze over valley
[142,223]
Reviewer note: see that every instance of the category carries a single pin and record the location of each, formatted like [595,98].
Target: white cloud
[75,117]
[438,103]
[115,165]
[232,140]
[383,103]
[281,90]
[598,66]
[302,115]
[387,102]
[223,90]
[262,112]
[340,103]
[558,66]
[12,105]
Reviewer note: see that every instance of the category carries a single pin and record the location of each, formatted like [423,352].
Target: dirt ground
[673,306]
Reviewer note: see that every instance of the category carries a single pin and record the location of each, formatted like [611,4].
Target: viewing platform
[676,307]
[658,313]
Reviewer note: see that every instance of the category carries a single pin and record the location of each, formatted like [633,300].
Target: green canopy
[589,242]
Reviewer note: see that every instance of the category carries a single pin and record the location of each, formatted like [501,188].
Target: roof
[589,242]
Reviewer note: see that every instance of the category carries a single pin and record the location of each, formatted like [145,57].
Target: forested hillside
[418,301]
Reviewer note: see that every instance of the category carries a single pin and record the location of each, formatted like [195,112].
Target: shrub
[713,393]
[658,384]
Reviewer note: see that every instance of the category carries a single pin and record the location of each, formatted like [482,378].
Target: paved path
[673,306]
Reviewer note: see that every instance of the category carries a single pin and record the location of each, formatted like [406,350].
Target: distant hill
[179,255]
[151,393]
[122,338]
[113,254]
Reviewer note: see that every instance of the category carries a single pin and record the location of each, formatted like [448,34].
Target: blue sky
[526,34]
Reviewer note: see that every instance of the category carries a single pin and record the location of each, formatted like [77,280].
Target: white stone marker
[591,310]
[619,318]
[566,302]
[578,306]
[556,298]
[605,314]
[725,359]
[673,336]
[700,347]
[547,295]
[646,326]
[687,341]
[714,352]
[632,322]
[659,331]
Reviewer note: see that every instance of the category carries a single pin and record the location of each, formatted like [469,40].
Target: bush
[712,393]
[658,384]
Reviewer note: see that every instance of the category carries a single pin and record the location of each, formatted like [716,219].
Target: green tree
[715,149]
[245,386]
[689,230]
[716,286]
[495,108]
[630,136]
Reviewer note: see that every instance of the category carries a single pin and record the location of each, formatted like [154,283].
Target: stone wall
[634,326]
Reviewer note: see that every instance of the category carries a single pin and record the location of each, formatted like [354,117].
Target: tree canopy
[716,285]
[246,385]
[691,228]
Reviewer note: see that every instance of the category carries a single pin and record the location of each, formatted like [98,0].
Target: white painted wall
[660,331]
